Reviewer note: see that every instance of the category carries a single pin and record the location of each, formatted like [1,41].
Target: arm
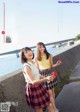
[31,77]
[37,63]
[51,61]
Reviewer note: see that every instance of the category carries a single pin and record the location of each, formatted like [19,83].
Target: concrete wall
[69,60]
[12,89]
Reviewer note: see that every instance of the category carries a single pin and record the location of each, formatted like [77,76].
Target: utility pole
[4,39]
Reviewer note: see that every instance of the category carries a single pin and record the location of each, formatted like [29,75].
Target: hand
[41,77]
[59,62]
[50,78]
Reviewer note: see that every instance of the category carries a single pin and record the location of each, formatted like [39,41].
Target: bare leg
[52,98]
[53,91]
[50,108]
[39,110]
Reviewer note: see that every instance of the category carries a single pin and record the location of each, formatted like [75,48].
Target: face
[41,48]
[29,55]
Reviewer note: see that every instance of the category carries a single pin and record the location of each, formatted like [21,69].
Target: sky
[28,22]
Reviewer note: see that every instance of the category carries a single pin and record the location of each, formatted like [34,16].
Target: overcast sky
[31,21]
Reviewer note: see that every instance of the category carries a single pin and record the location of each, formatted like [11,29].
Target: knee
[50,105]
[53,95]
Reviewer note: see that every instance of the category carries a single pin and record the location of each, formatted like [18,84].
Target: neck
[30,60]
[42,53]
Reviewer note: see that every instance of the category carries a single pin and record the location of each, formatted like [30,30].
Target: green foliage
[63,80]
[78,37]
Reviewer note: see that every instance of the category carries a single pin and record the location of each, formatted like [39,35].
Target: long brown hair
[45,51]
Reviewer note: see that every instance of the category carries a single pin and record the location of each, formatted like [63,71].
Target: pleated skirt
[46,73]
[37,96]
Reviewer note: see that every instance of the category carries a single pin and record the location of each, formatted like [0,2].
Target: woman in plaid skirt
[44,61]
[37,96]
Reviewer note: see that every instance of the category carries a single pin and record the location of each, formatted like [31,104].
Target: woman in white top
[37,96]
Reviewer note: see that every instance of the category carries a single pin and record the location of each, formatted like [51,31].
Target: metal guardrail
[53,43]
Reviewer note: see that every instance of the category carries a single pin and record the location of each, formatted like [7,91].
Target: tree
[8,39]
[78,37]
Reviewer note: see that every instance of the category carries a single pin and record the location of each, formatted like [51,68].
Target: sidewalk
[68,99]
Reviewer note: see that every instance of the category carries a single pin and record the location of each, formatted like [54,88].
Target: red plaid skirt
[37,96]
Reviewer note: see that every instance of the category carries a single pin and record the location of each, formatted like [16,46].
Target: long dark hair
[23,51]
[45,51]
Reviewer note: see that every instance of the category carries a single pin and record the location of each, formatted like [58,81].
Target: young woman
[37,96]
[44,61]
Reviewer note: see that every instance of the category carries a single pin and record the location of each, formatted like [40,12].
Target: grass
[62,81]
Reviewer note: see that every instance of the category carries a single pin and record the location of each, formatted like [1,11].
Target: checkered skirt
[46,73]
[37,96]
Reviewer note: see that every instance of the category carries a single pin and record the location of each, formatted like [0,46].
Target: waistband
[45,69]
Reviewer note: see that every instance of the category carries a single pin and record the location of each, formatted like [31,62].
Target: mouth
[30,55]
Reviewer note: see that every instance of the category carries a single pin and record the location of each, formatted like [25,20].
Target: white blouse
[34,71]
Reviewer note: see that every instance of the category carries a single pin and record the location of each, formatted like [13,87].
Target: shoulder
[50,56]
[27,65]
[36,60]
